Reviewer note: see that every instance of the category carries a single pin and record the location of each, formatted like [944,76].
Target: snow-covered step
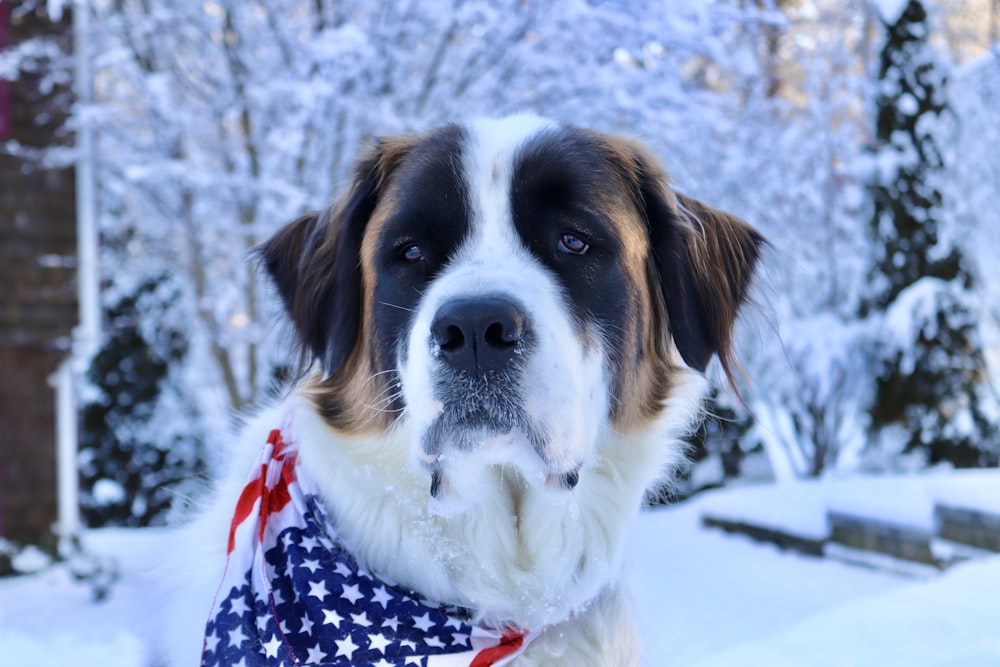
[779,538]
[905,517]
[893,516]
[790,516]
[967,508]
[863,533]
[971,527]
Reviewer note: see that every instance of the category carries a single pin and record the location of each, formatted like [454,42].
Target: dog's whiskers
[390,387]
[387,371]
[388,393]
[392,305]
[386,400]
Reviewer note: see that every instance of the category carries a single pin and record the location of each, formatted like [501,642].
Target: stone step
[781,539]
[867,534]
[972,527]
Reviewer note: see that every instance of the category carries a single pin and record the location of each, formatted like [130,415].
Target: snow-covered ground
[717,600]
[705,599]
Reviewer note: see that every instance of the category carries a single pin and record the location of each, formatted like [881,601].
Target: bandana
[292,595]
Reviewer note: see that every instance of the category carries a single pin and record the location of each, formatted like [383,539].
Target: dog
[505,326]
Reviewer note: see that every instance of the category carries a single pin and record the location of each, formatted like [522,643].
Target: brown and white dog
[507,322]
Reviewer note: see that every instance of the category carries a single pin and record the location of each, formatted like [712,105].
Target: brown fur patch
[723,251]
[719,251]
[646,368]
[358,398]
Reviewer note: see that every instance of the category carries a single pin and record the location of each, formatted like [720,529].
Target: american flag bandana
[291,594]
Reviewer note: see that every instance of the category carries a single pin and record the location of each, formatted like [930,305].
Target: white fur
[515,550]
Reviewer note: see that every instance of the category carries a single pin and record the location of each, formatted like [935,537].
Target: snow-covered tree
[224,119]
[790,166]
[929,373]
[971,145]
[219,121]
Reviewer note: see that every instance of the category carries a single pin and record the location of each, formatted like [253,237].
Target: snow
[901,501]
[108,492]
[51,620]
[946,621]
[890,10]
[915,309]
[704,598]
[31,559]
[54,8]
[972,489]
[798,508]
[701,591]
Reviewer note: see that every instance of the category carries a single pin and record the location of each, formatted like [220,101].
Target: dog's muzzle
[481,345]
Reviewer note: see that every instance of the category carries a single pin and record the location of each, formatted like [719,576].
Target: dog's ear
[285,254]
[703,259]
[315,262]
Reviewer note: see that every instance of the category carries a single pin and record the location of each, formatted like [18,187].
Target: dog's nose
[479,334]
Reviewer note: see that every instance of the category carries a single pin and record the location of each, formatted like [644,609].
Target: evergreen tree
[134,468]
[930,393]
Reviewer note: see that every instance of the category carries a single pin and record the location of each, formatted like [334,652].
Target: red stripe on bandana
[271,500]
[244,506]
[509,644]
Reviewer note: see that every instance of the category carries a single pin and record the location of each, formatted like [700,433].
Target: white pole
[67,479]
[87,333]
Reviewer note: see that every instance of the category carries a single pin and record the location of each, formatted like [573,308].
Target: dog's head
[509,290]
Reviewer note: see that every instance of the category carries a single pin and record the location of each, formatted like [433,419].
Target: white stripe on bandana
[291,595]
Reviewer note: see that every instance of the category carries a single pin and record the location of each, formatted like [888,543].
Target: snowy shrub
[790,165]
[718,448]
[932,395]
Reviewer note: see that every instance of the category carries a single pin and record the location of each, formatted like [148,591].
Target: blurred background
[147,146]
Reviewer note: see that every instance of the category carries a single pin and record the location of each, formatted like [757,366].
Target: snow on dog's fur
[507,323]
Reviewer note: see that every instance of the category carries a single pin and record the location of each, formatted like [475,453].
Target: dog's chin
[470,461]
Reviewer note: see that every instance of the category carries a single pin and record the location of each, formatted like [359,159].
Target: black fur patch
[688,323]
[558,177]
[433,215]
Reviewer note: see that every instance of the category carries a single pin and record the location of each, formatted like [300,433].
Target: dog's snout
[479,334]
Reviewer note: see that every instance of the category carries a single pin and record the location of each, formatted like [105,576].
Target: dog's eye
[412,253]
[573,245]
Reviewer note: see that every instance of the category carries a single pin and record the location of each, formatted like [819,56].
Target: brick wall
[37,279]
